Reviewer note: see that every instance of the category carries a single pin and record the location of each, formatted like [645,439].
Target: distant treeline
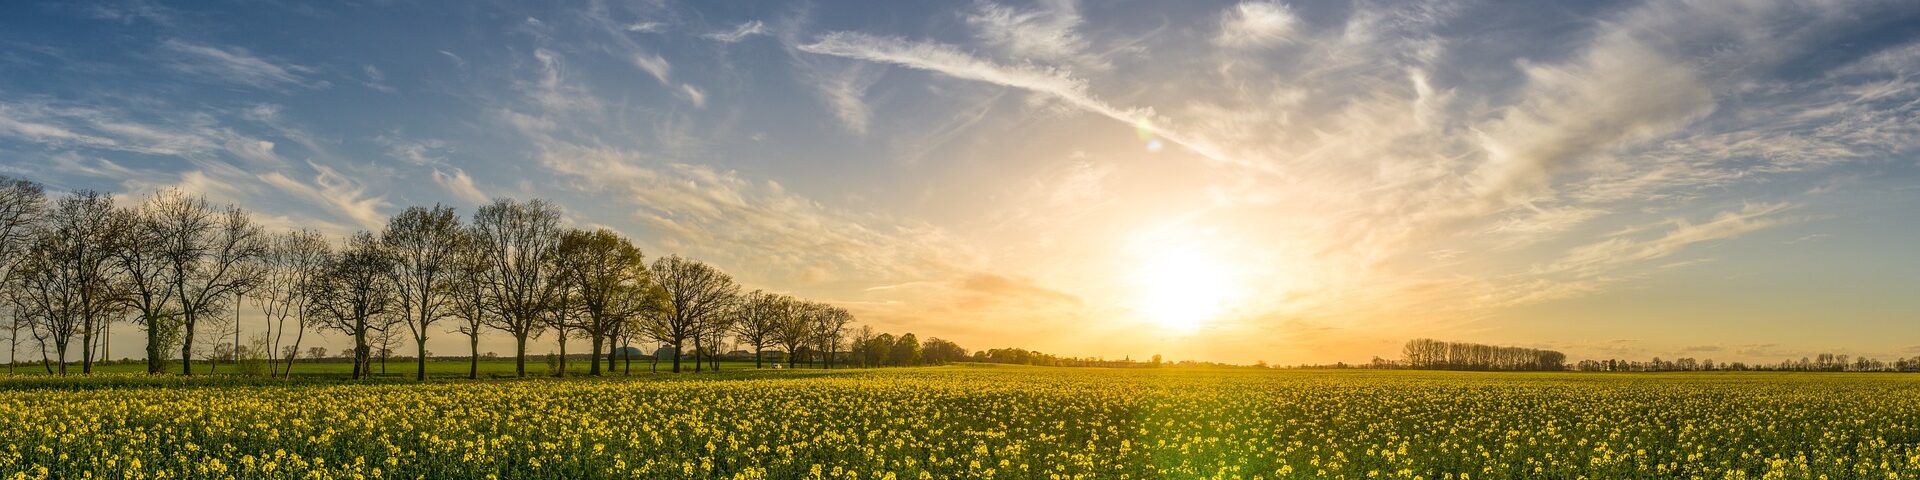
[1429,354]
[1825,362]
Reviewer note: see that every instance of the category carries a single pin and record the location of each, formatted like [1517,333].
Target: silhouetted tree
[758,322]
[424,243]
[936,351]
[794,329]
[470,294]
[829,328]
[1437,355]
[22,205]
[518,241]
[68,272]
[292,261]
[138,247]
[207,252]
[906,351]
[611,284]
[353,292]
[697,292]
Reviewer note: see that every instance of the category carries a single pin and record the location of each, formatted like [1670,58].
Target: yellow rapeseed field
[981,422]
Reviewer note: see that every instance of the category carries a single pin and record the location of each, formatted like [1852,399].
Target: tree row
[177,266]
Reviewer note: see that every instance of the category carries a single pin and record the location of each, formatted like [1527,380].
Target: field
[974,422]
[396,369]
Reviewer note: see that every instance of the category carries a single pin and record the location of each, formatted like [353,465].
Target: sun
[1182,290]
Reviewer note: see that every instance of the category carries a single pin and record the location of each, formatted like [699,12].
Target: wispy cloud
[946,59]
[456,182]
[1256,25]
[654,65]
[738,33]
[645,27]
[236,65]
[1049,33]
[337,192]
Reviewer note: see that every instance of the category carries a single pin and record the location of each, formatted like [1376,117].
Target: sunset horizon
[1230,182]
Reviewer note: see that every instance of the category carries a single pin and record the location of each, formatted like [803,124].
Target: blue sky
[1215,180]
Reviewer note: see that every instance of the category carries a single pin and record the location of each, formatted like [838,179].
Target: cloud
[376,80]
[134,10]
[654,65]
[456,182]
[342,194]
[1730,224]
[693,95]
[1256,25]
[843,88]
[25,127]
[721,216]
[947,60]
[236,65]
[458,62]
[738,33]
[1619,92]
[554,91]
[417,152]
[1049,33]
[645,27]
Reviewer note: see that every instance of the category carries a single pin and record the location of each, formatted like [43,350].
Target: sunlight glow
[1182,290]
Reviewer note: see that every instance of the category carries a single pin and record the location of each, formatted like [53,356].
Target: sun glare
[1183,290]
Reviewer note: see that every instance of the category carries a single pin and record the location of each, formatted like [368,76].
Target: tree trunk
[236,333]
[593,357]
[61,349]
[297,337]
[421,375]
[86,353]
[473,362]
[676,356]
[520,355]
[756,357]
[186,346]
[610,350]
[563,354]
[361,365]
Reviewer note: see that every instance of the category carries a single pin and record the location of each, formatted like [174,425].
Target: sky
[1222,181]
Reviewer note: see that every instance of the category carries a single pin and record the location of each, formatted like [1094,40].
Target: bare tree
[610,283]
[208,252]
[563,308]
[292,261]
[517,240]
[22,204]
[352,293]
[138,246]
[697,292]
[425,243]
[68,275]
[829,328]
[716,329]
[794,330]
[386,335]
[758,322]
[471,302]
